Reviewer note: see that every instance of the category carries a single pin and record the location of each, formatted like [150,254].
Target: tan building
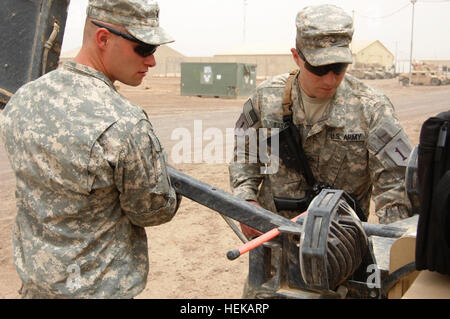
[270,59]
[370,53]
[168,62]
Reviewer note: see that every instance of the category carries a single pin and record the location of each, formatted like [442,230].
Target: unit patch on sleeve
[248,117]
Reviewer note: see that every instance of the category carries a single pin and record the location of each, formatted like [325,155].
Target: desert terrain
[188,255]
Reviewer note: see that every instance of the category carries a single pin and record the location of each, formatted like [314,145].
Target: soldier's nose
[330,78]
[150,61]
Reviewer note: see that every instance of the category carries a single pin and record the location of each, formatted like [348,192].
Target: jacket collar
[335,114]
[88,71]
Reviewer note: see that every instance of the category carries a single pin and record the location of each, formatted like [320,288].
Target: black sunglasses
[337,68]
[143,49]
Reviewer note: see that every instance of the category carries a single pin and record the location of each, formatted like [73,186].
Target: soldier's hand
[393,213]
[254,202]
[247,230]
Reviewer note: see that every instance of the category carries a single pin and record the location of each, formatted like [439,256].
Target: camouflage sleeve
[389,148]
[244,170]
[146,194]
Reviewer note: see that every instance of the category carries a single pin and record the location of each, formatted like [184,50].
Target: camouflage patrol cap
[139,17]
[324,33]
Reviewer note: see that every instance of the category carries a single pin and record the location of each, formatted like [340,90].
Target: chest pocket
[344,160]
[331,161]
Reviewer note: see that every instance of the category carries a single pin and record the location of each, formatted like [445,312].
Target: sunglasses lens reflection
[337,68]
[145,50]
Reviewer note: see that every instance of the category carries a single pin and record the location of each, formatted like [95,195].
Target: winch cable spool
[333,242]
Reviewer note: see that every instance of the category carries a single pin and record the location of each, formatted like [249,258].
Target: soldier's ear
[296,57]
[102,37]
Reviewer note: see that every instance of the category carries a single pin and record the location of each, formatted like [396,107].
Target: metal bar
[235,228]
[227,204]
[249,214]
[383,230]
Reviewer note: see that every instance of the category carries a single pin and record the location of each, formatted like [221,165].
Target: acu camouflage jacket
[358,146]
[91,175]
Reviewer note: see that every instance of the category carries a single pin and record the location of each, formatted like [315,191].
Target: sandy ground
[188,255]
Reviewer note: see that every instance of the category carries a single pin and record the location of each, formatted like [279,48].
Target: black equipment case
[31,35]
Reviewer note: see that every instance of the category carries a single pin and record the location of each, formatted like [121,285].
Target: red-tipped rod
[258,241]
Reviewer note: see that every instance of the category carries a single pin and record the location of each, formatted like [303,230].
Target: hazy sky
[206,27]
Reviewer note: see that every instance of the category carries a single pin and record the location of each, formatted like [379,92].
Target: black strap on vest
[293,139]
[295,142]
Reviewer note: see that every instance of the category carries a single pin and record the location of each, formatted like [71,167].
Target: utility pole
[412,36]
[396,57]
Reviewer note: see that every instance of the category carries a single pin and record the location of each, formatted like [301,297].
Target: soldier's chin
[325,93]
[133,82]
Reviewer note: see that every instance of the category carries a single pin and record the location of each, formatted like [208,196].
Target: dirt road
[188,255]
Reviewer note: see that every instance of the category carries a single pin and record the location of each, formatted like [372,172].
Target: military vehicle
[326,253]
[363,74]
[422,78]
[387,74]
[379,74]
[358,73]
[371,71]
[426,74]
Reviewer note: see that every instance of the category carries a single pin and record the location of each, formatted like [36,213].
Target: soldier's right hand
[248,231]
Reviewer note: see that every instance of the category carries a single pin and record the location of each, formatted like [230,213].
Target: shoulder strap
[295,140]
[287,100]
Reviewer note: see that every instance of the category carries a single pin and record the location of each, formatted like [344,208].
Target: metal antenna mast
[412,34]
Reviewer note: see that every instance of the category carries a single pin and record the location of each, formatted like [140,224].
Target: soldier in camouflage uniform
[350,133]
[90,171]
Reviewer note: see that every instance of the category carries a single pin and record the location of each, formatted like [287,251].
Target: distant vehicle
[369,75]
[366,72]
[389,74]
[379,74]
[422,78]
[358,73]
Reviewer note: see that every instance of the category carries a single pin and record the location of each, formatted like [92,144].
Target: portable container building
[226,80]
